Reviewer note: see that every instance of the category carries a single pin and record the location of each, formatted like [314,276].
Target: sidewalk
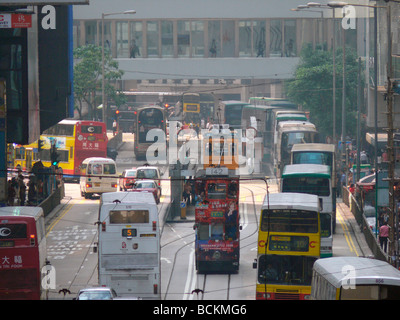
[348,216]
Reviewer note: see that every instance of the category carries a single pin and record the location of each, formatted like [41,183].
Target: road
[72,235]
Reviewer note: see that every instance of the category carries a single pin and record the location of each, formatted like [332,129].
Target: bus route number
[129,233]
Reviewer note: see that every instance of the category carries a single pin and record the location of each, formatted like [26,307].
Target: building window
[167,39]
[228,38]
[290,38]
[259,38]
[245,39]
[122,39]
[136,45]
[197,37]
[91,32]
[214,39]
[275,44]
[152,39]
[183,38]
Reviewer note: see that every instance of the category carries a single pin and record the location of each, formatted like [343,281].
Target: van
[98,175]
[149,172]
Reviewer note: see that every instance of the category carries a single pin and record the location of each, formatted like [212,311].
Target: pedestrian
[11,193]
[363,157]
[383,236]
[114,127]
[22,190]
[134,50]
[31,191]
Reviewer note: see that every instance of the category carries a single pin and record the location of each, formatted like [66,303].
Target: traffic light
[54,155]
[40,144]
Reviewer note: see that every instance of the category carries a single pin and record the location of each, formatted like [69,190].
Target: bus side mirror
[95,247]
[255,264]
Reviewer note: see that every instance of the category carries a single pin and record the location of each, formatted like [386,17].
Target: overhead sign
[42,2]
[14,20]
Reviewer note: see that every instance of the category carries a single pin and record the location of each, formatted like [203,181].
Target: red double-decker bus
[22,253]
[73,140]
[217,224]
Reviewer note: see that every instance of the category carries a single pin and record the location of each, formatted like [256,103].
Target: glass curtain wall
[122,39]
[245,39]
[167,39]
[290,38]
[136,45]
[259,28]
[228,38]
[152,39]
[197,38]
[184,39]
[207,38]
[214,38]
[275,45]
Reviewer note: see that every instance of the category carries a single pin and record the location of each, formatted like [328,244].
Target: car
[96,293]
[149,172]
[127,179]
[150,186]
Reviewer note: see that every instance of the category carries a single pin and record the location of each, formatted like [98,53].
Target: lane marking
[346,232]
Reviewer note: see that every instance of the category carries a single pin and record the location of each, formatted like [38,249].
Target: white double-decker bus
[314,179]
[129,244]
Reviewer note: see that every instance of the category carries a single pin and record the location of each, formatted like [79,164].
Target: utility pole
[390,146]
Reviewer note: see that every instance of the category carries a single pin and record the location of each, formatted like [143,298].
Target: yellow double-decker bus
[288,246]
[191,109]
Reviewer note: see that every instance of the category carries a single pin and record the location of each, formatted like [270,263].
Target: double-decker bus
[276,102]
[74,141]
[221,148]
[318,153]
[191,109]
[288,246]
[230,112]
[126,114]
[354,278]
[129,244]
[314,179]
[217,222]
[207,106]
[22,253]
[147,118]
[289,133]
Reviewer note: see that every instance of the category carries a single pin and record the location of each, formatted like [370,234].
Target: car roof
[95,289]
[145,180]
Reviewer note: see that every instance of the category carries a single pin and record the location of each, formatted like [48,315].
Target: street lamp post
[103,98]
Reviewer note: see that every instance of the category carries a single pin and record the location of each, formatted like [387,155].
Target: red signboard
[13,20]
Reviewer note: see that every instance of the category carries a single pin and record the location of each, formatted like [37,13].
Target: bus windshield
[233,114]
[287,220]
[150,118]
[311,185]
[286,270]
[129,216]
[313,158]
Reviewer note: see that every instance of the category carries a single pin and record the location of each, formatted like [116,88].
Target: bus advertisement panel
[288,245]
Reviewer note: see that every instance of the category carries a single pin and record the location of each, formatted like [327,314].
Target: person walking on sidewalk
[383,236]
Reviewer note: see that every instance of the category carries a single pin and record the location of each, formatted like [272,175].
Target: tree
[312,88]
[88,79]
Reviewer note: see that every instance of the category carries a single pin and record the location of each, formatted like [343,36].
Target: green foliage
[312,88]
[88,78]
